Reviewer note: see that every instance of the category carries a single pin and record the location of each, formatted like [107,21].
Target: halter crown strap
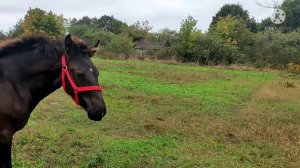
[66,73]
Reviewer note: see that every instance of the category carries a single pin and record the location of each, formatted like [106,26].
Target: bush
[120,44]
[275,49]
[91,35]
[294,68]
[167,53]
[187,37]
[213,50]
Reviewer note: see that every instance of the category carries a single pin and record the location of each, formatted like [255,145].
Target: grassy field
[162,115]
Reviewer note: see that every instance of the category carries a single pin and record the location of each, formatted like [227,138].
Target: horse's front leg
[5,148]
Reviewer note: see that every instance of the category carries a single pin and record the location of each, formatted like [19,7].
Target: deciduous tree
[39,21]
[235,10]
[187,36]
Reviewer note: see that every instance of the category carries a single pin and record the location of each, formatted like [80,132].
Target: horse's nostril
[101,112]
[96,115]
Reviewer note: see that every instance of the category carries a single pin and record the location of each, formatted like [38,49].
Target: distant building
[146,45]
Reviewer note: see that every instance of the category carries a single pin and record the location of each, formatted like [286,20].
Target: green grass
[162,115]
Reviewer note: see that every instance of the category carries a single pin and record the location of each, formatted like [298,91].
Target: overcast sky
[160,13]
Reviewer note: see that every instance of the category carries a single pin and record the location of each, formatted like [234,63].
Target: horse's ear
[94,49]
[68,42]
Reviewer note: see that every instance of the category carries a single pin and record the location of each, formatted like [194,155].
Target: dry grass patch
[282,90]
[269,123]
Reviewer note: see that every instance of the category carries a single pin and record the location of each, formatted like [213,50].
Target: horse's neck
[45,78]
[38,77]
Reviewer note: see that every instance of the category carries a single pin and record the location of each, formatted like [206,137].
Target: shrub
[187,37]
[294,68]
[275,48]
[120,44]
[167,53]
[91,35]
[213,50]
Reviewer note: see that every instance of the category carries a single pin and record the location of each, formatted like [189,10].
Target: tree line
[233,36]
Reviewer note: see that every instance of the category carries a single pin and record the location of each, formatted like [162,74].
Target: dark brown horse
[31,68]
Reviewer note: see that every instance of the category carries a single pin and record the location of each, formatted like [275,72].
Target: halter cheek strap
[65,75]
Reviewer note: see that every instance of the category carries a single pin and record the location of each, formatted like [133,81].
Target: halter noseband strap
[66,73]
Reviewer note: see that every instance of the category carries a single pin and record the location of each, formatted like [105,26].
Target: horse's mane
[39,44]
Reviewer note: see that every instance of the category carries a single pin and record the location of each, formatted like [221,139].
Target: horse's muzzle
[97,115]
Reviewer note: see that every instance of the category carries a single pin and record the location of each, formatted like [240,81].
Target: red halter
[65,73]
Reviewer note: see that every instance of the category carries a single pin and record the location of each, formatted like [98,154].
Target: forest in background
[234,37]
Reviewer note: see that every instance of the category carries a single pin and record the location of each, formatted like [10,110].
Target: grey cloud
[10,10]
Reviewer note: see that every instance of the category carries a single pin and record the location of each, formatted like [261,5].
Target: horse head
[80,77]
